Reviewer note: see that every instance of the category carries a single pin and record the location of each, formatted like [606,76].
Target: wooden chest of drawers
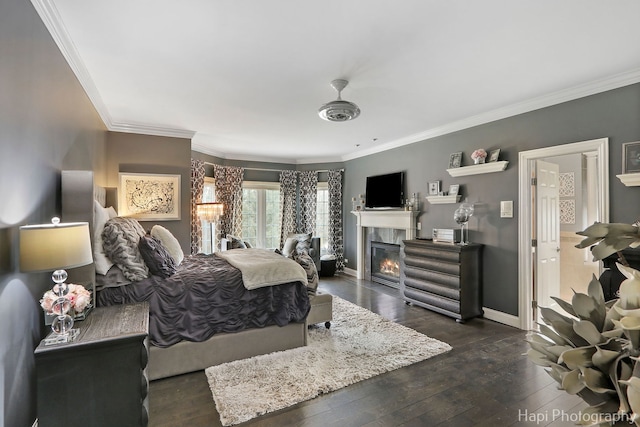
[442,277]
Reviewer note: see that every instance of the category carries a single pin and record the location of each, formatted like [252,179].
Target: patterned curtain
[308,201]
[229,192]
[336,243]
[197,186]
[288,190]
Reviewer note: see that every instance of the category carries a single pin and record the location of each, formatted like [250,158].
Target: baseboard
[500,317]
[350,272]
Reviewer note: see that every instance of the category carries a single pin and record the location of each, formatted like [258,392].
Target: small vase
[478,160]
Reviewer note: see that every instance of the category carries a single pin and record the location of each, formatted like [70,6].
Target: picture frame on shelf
[454,189]
[434,188]
[455,160]
[494,155]
[631,157]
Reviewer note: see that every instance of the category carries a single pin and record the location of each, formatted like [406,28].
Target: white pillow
[169,242]
[289,246]
[100,218]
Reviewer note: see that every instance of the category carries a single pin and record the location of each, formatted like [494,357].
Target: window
[261,214]
[208,229]
[322,217]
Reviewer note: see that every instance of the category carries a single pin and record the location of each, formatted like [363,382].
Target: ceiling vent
[339,110]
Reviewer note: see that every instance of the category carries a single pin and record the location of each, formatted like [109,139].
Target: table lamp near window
[209,211]
[56,246]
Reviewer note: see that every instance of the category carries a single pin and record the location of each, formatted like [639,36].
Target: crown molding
[151,130]
[580,91]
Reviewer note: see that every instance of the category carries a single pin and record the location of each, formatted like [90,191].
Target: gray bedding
[206,296]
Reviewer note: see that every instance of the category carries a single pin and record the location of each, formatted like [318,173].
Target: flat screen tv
[385,191]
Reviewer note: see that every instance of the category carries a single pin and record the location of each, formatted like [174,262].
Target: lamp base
[67,337]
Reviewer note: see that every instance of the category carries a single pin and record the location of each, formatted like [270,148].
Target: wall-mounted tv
[385,191]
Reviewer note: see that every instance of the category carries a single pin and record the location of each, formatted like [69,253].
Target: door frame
[526,164]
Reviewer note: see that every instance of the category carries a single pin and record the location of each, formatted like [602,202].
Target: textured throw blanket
[262,267]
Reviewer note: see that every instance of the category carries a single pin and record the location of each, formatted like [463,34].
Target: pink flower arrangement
[78,297]
[479,154]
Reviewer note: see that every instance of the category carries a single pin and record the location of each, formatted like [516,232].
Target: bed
[262,320]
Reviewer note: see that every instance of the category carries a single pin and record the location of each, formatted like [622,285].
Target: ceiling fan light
[339,111]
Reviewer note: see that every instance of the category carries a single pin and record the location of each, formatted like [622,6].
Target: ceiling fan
[339,110]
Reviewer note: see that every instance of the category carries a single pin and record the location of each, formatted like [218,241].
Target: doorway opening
[536,281]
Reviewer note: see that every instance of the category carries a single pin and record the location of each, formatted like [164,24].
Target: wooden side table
[100,378]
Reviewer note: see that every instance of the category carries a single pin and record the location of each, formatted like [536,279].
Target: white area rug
[359,345]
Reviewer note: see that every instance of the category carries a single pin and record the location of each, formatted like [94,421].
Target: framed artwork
[151,197]
[631,157]
[455,160]
[454,189]
[494,154]
[434,188]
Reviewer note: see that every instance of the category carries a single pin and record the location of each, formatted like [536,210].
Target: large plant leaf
[633,393]
[566,331]
[578,357]
[631,326]
[550,316]
[588,331]
[539,358]
[589,309]
[572,382]
[594,290]
[552,335]
[597,381]
[602,359]
[612,316]
[621,369]
[565,306]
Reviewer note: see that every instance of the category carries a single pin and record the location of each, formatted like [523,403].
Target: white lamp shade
[49,247]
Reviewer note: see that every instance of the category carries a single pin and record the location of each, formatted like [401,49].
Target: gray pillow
[156,256]
[236,242]
[302,242]
[120,239]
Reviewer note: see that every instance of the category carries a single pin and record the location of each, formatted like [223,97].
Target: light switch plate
[506,209]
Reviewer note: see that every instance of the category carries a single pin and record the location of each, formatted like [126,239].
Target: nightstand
[100,378]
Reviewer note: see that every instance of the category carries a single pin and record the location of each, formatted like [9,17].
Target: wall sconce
[56,246]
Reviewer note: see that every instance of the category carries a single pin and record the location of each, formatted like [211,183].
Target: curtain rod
[271,170]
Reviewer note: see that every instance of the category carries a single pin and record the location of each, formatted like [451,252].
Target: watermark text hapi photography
[545,417]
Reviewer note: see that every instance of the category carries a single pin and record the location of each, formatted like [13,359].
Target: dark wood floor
[484,381]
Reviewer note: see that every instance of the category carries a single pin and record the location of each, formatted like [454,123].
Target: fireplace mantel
[403,220]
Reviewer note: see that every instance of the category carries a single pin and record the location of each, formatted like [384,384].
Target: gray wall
[47,124]
[614,114]
[154,154]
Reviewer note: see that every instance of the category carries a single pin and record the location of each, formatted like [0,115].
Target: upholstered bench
[321,309]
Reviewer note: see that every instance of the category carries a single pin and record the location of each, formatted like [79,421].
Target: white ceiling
[246,78]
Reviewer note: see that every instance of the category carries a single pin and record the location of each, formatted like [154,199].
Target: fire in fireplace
[385,263]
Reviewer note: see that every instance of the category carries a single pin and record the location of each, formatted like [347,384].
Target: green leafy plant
[592,349]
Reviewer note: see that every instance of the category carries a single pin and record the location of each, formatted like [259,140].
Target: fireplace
[390,219]
[385,263]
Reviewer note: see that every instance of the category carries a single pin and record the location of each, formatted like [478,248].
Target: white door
[547,275]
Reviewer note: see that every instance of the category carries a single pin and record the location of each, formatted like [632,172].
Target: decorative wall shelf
[440,200]
[630,179]
[478,169]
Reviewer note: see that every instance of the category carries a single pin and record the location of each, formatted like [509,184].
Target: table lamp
[56,246]
[209,211]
